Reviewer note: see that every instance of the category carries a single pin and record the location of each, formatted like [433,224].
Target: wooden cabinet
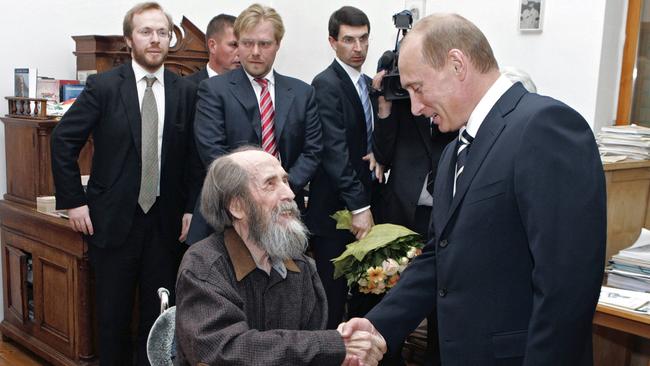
[45,271]
[628,193]
[29,168]
[46,286]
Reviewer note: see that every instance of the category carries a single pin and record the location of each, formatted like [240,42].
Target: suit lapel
[129,94]
[350,91]
[171,104]
[283,100]
[244,93]
[487,135]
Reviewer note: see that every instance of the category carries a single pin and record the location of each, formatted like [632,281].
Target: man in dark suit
[514,264]
[222,49]
[223,57]
[255,105]
[144,181]
[344,179]
[410,147]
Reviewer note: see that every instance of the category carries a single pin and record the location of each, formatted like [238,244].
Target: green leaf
[343,219]
[380,236]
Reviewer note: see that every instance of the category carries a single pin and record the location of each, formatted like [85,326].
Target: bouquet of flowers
[375,263]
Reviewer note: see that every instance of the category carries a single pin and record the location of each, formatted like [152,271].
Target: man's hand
[383,106]
[361,224]
[375,166]
[363,344]
[185,226]
[79,219]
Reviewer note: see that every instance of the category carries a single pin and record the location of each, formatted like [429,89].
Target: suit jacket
[198,76]
[228,116]
[514,267]
[410,148]
[108,108]
[343,180]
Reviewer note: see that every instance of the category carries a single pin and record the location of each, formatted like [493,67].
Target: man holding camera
[344,179]
[408,145]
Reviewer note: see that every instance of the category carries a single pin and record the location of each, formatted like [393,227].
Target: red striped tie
[267,114]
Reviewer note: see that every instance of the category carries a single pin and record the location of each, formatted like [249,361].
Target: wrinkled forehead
[259,164]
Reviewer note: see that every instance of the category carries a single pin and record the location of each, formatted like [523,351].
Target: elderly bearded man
[247,295]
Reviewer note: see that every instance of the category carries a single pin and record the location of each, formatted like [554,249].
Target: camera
[391,86]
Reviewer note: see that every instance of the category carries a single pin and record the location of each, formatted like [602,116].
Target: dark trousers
[144,262]
[326,248]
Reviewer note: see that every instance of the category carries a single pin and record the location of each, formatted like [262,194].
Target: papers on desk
[631,141]
[630,268]
[638,302]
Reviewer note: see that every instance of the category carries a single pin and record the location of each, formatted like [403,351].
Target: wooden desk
[621,338]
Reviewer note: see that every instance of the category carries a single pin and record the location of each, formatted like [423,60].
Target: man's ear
[333,43]
[129,42]
[212,43]
[236,208]
[456,58]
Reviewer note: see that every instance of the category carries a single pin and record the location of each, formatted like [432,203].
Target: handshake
[364,346]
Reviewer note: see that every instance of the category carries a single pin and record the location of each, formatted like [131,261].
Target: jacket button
[443,243]
[442,292]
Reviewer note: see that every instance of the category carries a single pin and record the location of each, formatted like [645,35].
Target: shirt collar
[211,72]
[486,103]
[243,261]
[353,73]
[270,77]
[140,73]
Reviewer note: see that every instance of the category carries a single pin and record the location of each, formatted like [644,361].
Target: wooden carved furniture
[47,301]
[27,148]
[47,285]
[101,53]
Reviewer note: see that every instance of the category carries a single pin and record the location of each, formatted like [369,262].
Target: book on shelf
[70,91]
[25,82]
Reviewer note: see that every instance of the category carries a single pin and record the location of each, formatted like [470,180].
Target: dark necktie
[267,114]
[367,111]
[149,172]
[462,149]
[430,176]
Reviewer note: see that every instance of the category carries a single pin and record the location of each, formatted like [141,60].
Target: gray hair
[225,181]
[515,75]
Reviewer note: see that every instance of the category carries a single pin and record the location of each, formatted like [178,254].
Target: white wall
[575,59]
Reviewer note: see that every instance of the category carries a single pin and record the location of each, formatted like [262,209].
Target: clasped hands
[364,346]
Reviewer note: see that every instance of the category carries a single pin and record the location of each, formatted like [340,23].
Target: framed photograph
[531,15]
[417,8]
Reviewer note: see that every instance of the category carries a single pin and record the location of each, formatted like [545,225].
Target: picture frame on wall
[531,15]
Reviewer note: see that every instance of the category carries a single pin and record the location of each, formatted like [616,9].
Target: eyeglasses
[351,41]
[250,43]
[148,33]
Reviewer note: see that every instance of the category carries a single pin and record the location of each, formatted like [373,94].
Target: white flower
[412,252]
[390,266]
[362,282]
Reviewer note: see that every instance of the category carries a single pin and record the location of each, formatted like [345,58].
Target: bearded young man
[247,295]
[144,181]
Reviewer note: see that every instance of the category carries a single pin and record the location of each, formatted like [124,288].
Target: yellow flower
[376,274]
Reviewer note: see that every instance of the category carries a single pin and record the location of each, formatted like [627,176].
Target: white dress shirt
[158,88]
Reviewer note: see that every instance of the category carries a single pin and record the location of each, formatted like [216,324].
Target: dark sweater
[229,312]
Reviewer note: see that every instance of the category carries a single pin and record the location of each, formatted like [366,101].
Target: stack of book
[630,141]
[630,268]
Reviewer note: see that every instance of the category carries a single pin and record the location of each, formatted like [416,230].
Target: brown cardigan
[229,312]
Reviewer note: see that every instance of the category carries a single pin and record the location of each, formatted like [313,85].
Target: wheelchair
[161,343]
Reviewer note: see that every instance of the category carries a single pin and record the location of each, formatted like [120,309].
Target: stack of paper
[630,268]
[630,141]
[629,300]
